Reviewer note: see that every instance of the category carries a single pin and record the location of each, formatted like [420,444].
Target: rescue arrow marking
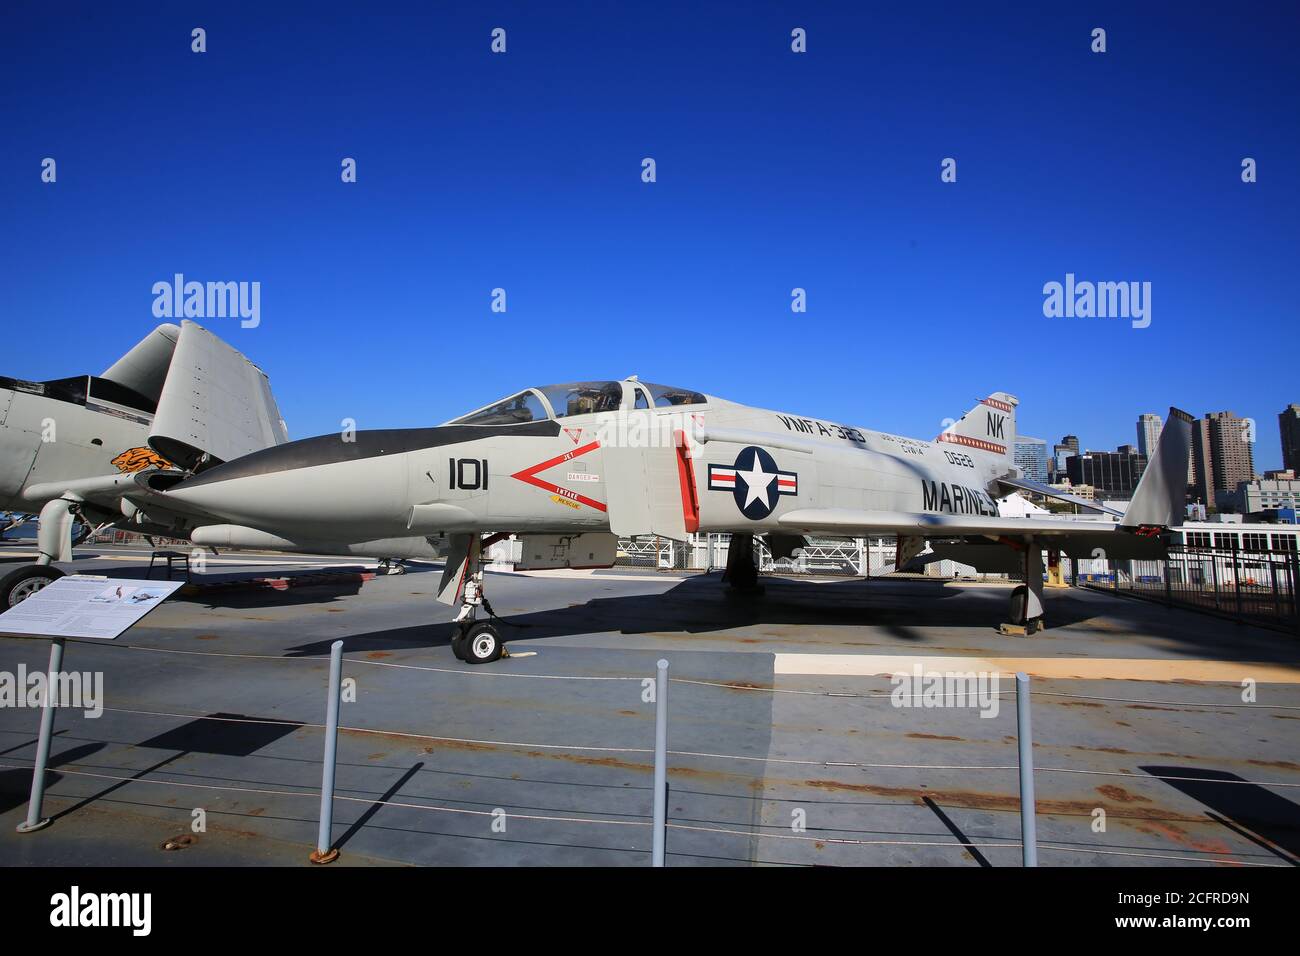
[529,475]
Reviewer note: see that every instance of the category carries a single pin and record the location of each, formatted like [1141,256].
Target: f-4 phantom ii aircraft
[179,402]
[571,467]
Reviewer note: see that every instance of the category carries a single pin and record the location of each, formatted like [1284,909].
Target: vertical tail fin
[1161,494]
[989,427]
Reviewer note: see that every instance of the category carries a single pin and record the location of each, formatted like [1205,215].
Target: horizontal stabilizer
[1047,491]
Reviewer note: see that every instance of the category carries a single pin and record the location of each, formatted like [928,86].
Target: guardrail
[654,817]
[1259,587]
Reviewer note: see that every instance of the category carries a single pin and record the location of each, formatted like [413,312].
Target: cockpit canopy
[579,398]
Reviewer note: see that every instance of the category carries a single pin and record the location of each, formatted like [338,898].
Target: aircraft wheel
[1019,595]
[483,643]
[458,642]
[17,586]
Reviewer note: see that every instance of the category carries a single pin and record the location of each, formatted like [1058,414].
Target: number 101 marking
[467,474]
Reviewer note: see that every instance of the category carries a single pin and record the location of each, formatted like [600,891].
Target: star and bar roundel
[755,482]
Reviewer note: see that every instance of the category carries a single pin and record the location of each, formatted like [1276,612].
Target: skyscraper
[1222,456]
[1111,473]
[1148,433]
[1031,457]
[1288,422]
[1067,447]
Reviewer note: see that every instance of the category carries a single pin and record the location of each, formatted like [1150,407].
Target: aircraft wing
[215,405]
[852,523]
[144,368]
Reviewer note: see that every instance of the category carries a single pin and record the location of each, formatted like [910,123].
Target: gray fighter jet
[570,468]
[180,402]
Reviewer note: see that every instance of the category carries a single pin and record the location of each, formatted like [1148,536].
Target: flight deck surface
[785,744]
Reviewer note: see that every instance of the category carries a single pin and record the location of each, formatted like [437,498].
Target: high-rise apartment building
[1148,428]
[1288,422]
[1222,457]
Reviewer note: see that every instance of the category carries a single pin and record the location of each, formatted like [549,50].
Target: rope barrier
[687,753]
[642,823]
[315,795]
[486,673]
[1170,703]
[384,733]
[1153,776]
[701,826]
[822,693]
[958,845]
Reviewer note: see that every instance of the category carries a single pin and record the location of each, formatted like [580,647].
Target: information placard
[86,606]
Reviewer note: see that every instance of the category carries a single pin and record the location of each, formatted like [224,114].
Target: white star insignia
[757,482]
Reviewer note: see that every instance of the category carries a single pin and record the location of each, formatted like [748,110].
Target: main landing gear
[53,542]
[474,641]
[20,584]
[742,573]
[1026,610]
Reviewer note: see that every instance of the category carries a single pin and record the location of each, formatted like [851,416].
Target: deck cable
[641,823]
[847,765]
[961,845]
[315,795]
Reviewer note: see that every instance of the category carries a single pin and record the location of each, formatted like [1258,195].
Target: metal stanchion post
[661,765]
[324,853]
[34,820]
[1028,830]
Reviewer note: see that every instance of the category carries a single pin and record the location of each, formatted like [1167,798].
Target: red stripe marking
[972,443]
[529,475]
[686,478]
[1004,406]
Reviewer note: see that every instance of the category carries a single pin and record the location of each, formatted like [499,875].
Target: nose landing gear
[474,642]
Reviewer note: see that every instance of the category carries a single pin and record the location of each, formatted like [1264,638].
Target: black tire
[483,644]
[17,586]
[1019,596]
[458,642]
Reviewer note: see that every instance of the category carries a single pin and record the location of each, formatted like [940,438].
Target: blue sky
[775,171]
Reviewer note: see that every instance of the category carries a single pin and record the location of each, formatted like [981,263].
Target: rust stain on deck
[975,800]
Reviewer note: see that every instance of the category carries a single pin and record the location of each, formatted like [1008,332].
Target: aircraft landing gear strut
[54,543]
[474,641]
[1027,599]
[742,573]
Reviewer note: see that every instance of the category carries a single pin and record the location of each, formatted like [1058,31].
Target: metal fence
[1255,586]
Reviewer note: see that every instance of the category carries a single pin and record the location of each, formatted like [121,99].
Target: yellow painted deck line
[1081,668]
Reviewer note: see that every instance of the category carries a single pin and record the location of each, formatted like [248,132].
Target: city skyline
[1261,427]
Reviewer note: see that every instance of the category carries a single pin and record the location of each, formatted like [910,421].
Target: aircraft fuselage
[739,469]
[57,432]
